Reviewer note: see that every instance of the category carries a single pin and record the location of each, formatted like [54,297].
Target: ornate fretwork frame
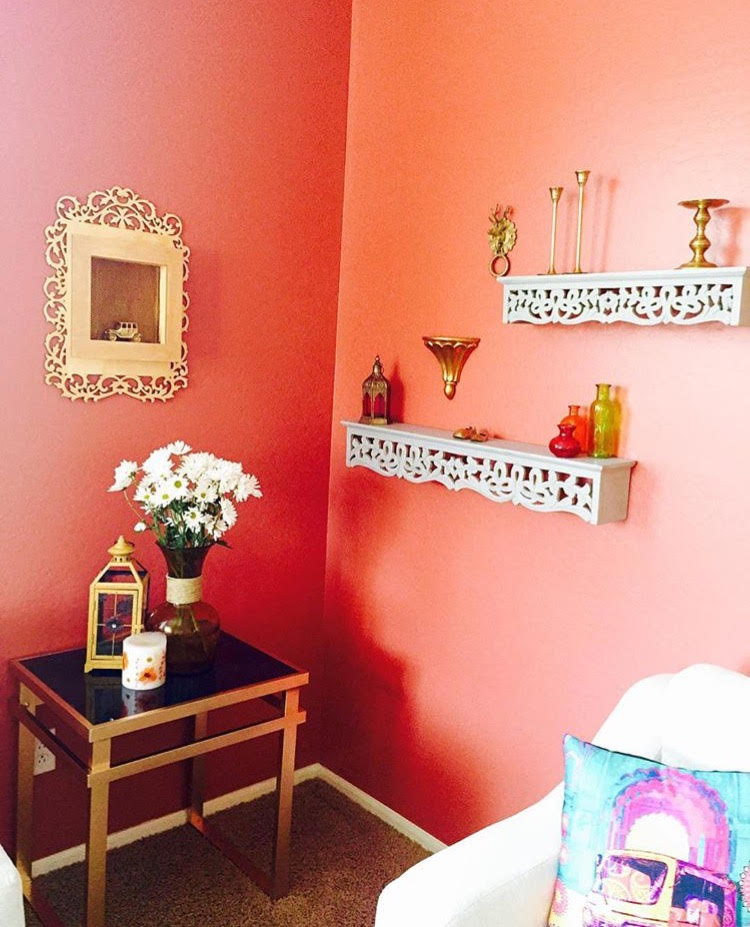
[115,224]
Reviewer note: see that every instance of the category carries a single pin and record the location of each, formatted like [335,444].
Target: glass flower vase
[191,625]
[580,426]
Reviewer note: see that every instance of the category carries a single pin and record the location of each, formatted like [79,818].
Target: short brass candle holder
[451,354]
[581,177]
[700,244]
[555,193]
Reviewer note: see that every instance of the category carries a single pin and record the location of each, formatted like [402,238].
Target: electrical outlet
[44,759]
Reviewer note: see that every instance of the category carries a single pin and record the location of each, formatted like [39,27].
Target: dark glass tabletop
[99,696]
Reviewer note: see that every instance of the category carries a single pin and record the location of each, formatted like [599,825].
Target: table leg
[25,792]
[96,839]
[198,768]
[284,790]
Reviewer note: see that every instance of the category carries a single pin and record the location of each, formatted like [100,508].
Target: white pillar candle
[144,660]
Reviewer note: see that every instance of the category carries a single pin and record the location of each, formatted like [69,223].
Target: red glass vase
[565,444]
[580,426]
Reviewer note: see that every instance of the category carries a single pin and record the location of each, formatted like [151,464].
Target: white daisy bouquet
[186,497]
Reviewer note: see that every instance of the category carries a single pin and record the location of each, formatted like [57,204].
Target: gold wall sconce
[451,354]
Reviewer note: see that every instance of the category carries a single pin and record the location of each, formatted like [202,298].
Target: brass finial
[121,550]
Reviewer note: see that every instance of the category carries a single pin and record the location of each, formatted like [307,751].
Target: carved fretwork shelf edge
[503,471]
[642,297]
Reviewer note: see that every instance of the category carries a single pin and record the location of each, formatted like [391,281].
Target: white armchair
[11,896]
[506,872]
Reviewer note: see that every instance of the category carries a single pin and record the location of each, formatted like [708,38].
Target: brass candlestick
[581,177]
[451,354]
[700,244]
[555,193]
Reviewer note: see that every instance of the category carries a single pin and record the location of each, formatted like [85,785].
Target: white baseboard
[397,821]
[120,838]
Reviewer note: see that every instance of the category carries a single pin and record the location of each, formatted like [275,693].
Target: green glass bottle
[603,423]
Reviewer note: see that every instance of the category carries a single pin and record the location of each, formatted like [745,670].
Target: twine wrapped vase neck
[191,625]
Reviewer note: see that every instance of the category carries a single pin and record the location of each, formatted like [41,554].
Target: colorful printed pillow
[648,845]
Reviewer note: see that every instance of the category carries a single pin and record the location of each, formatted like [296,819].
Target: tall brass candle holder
[700,244]
[451,354]
[581,177]
[555,193]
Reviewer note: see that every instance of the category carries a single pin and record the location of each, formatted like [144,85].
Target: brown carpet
[342,856]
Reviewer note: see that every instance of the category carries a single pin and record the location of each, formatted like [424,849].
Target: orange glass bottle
[580,427]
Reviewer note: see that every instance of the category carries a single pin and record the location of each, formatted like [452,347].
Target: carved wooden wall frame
[148,372]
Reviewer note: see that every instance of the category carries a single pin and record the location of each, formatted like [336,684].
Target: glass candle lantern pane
[114,621]
[379,409]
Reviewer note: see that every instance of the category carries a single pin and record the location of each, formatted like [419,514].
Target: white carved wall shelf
[642,297]
[503,471]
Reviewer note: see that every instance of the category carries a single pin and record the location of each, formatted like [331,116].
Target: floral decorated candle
[144,660]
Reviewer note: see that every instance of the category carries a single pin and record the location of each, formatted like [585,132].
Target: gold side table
[98,710]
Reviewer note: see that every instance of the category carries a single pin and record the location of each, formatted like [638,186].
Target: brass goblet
[700,244]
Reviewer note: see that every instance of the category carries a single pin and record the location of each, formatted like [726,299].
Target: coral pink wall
[465,637]
[231,115]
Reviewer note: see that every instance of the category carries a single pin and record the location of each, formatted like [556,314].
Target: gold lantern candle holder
[451,354]
[118,598]
[376,394]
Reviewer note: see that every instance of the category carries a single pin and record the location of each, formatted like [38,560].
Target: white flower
[125,472]
[163,493]
[158,464]
[179,486]
[227,474]
[195,466]
[228,513]
[140,526]
[206,492]
[218,529]
[247,485]
[194,519]
[178,447]
[145,493]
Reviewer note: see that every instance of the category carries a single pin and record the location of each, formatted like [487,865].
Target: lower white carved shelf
[644,297]
[503,471]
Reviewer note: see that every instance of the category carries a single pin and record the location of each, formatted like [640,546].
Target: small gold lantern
[117,604]
[375,396]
